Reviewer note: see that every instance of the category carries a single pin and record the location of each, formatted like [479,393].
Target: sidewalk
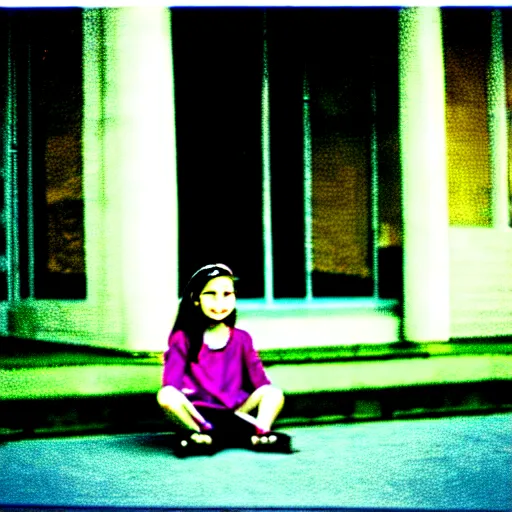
[456,463]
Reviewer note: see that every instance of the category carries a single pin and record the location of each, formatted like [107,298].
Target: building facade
[352,165]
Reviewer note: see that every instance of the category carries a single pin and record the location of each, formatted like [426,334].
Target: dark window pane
[217,71]
[340,84]
[312,41]
[467,37]
[286,69]
[385,68]
[48,52]
[3,286]
[3,245]
[347,54]
[507,50]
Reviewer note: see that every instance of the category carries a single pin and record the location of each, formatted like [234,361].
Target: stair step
[109,415]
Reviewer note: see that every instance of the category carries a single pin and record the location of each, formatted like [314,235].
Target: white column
[92,156]
[497,112]
[130,183]
[424,176]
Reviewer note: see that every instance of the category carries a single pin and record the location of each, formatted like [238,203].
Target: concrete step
[139,412]
[58,391]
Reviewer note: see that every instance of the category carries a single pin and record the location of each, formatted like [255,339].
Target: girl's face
[217,300]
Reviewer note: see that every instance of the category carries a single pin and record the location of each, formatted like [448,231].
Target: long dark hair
[190,318]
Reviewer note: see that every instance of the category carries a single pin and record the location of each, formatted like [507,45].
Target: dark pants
[228,428]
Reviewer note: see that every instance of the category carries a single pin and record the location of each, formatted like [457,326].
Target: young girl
[213,377]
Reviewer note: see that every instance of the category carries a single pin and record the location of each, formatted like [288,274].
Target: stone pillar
[130,174]
[424,176]
[92,155]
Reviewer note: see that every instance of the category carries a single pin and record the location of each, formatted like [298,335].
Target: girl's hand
[250,419]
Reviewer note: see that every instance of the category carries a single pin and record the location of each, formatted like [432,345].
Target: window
[44,71]
[467,39]
[217,70]
[332,145]
[507,50]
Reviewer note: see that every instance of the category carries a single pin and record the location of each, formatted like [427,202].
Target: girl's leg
[182,412]
[269,400]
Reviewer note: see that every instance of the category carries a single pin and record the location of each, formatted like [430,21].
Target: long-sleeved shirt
[222,378]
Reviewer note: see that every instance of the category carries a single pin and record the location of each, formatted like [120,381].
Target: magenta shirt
[222,378]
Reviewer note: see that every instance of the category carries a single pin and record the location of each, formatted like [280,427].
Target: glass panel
[340,85]
[218,85]
[466,34]
[3,234]
[285,33]
[53,120]
[218,73]
[507,50]
[338,57]
[390,244]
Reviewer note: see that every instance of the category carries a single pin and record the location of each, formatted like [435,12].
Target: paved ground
[437,464]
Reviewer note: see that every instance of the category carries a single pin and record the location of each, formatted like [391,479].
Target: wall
[480,282]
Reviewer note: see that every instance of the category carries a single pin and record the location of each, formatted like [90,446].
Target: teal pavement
[457,463]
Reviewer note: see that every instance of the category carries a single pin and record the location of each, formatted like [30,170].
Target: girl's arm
[181,408]
[253,364]
[175,360]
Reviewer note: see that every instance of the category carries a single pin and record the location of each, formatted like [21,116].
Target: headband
[215,270]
